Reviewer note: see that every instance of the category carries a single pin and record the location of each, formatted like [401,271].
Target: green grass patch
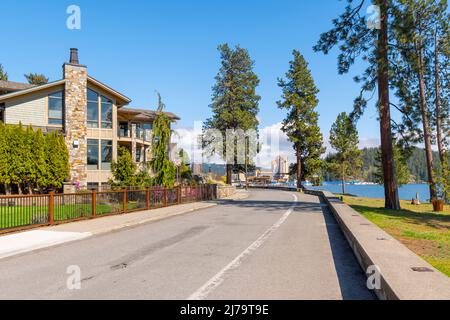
[425,232]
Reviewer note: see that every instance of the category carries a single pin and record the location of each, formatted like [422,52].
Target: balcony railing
[144,135]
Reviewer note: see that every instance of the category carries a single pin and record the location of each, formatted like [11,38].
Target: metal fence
[31,211]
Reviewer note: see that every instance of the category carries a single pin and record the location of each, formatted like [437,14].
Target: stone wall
[225,191]
[75,122]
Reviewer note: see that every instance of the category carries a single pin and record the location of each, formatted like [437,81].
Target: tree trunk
[299,170]
[387,155]
[426,122]
[343,181]
[440,143]
[229,174]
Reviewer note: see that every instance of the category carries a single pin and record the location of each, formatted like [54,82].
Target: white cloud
[273,142]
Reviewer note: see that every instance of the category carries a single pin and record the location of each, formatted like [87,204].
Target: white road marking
[219,278]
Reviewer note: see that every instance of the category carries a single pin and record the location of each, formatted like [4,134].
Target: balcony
[141,136]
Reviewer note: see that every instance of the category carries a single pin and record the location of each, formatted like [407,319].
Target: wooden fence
[32,211]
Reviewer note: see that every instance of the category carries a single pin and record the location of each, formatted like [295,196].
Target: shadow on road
[272,205]
[352,279]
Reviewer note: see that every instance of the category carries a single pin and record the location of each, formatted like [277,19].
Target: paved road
[273,245]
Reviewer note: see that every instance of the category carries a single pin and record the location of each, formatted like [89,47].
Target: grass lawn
[11,217]
[423,231]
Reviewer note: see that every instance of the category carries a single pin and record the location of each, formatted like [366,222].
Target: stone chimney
[75,96]
[74,56]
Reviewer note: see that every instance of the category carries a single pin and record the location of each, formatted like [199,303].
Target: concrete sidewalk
[45,237]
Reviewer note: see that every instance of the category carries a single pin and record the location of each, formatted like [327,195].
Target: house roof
[134,113]
[120,98]
[31,90]
[27,89]
[10,86]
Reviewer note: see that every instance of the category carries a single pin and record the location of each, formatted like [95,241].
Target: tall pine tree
[299,98]
[163,169]
[422,24]
[36,79]
[3,74]
[357,40]
[235,104]
[344,139]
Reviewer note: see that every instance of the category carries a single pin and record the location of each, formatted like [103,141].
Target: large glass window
[147,131]
[107,149]
[92,109]
[138,154]
[138,130]
[92,154]
[56,108]
[106,113]
[124,130]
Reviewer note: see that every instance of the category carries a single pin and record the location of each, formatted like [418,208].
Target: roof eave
[19,93]
[121,99]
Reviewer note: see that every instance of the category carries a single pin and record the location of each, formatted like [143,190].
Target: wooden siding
[29,109]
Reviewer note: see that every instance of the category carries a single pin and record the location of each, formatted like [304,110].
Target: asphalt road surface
[273,245]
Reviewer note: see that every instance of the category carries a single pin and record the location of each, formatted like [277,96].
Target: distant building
[280,168]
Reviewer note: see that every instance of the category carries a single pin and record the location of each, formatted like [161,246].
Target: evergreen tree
[401,167]
[3,74]
[30,172]
[39,153]
[124,169]
[344,139]
[57,156]
[299,98]
[36,79]
[235,104]
[18,155]
[185,172]
[4,157]
[163,169]
[355,41]
[416,41]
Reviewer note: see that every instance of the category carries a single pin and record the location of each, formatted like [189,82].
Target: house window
[56,108]
[147,131]
[138,132]
[2,112]
[138,154]
[107,149]
[106,113]
[124,130]
[92,109]
[92,154]
[93,186]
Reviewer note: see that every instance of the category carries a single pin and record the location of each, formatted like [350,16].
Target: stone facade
[225,191]
[75,122]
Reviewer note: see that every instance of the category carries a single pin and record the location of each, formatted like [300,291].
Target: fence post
[179,194]
[94,203]
[165,197]
[124,201]
[147,198]
[51,209]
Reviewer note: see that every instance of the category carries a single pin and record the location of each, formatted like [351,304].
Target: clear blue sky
[138,47]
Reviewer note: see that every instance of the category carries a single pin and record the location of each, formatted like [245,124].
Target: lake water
[406,192]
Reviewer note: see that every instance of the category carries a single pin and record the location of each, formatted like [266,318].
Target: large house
[90,114]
